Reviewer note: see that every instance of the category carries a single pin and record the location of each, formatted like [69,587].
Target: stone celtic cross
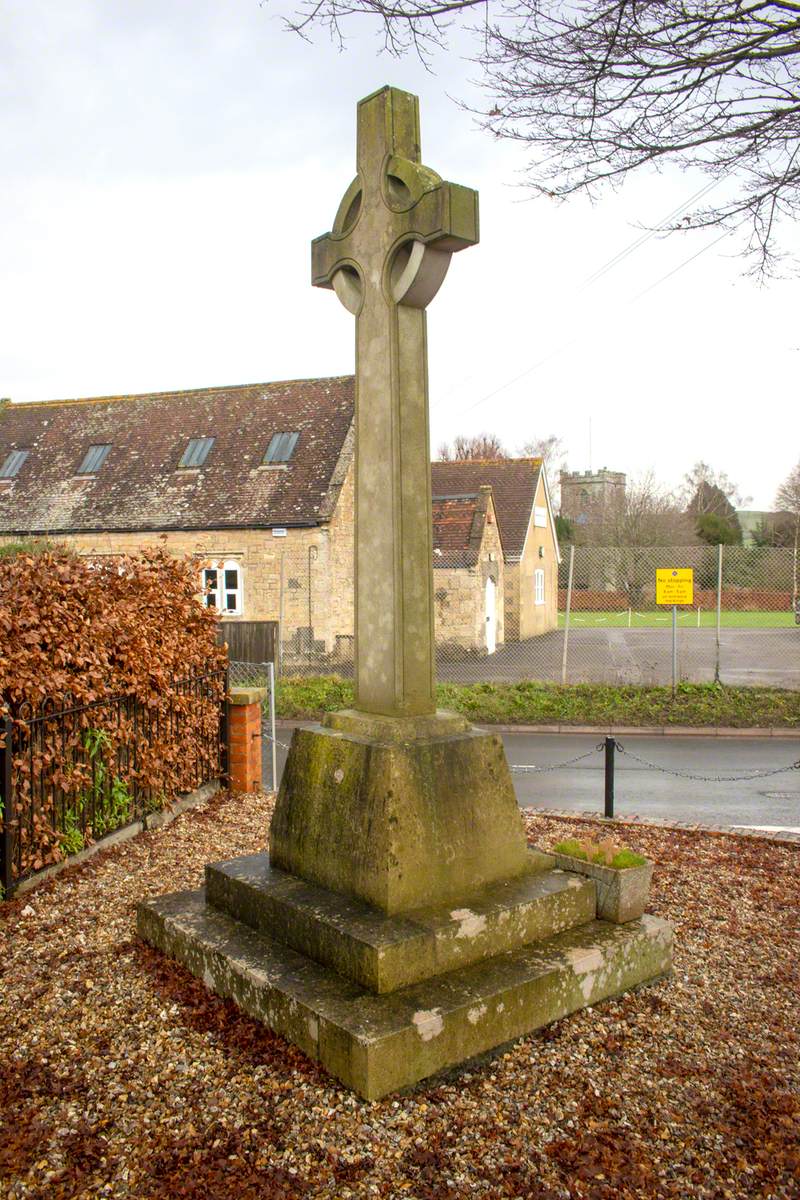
[394,233]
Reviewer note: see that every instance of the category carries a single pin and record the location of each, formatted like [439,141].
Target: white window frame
[538,586]
[214,586]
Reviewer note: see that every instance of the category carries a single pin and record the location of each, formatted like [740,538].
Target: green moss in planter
[622,877]
[627,858]
[605,856]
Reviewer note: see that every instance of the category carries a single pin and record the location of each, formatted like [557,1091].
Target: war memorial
[400,923]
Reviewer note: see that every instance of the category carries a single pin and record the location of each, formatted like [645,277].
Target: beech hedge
[74,632]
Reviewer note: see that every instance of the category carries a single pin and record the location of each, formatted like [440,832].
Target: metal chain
[521,770]
[277,742]
[708,778]
[525,769]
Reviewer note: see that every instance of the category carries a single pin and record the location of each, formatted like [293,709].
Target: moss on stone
[399,825]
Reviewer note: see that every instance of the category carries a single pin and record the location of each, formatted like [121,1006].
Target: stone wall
[511,591]
[535,619]
[460,597]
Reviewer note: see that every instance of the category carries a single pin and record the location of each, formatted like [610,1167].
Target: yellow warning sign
[674,585]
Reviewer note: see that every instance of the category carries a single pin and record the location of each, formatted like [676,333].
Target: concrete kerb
[611,730]
[156,820]
[648,730]
[790,840]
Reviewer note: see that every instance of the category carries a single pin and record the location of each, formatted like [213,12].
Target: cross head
[395,231]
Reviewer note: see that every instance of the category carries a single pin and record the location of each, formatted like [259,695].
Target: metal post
[7,783]
[674,648]
[566,616]
[135,791]
[224,732]
[279,655]
[610,747]
[719,611]
[273,747]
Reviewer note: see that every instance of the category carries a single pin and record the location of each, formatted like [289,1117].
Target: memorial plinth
[400,923]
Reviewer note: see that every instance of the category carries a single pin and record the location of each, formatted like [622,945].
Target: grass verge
[688,619]
[579,704]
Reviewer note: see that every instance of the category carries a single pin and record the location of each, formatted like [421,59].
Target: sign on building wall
[540,517]
[674,585]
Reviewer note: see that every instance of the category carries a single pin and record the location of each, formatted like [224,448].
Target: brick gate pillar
[244,738]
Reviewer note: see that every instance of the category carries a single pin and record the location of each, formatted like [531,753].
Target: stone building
[526,525]
[585,494]
[255,482]
[468,577]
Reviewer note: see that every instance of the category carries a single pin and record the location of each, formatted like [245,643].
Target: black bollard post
[610,747]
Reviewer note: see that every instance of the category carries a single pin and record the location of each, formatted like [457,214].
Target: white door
[491,618]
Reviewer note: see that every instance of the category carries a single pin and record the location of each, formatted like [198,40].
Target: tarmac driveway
[766,657]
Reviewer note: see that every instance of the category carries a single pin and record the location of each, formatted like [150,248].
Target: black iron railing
[70,774]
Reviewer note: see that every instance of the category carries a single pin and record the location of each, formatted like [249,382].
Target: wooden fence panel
[250,641]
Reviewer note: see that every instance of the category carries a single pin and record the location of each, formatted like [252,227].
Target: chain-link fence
[262,675]
[593,619]
[741,628]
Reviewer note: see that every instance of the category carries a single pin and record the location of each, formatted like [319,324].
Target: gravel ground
[121,1076]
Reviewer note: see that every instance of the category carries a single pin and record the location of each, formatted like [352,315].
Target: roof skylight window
[93,459]
[281,448]
[12,463]
[196,452]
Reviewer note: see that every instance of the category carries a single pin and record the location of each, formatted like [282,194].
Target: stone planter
[621,894]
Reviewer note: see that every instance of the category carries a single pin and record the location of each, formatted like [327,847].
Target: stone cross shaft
[394,233]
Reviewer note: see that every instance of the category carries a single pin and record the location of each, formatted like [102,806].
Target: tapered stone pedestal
[422,931]
[398,812]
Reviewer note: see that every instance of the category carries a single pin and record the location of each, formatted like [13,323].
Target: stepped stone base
[376,1043]
[382,952]
[400,923]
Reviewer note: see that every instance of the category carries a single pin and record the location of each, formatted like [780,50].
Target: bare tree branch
[600,88]
[479,445]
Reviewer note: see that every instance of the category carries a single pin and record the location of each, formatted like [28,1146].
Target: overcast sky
[166,163]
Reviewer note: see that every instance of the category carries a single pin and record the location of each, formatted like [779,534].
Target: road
[641,791]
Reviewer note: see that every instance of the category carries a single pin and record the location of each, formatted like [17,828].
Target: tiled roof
[513,482]
[458,525]
[139,486]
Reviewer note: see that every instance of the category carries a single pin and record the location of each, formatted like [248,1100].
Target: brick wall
[244,739]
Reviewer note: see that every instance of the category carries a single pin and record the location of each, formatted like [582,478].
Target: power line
[645,237]
[580,337]
[600,272]
[680,267]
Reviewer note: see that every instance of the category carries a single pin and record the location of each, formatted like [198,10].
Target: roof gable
[141,486]
[513,482]
[458,527]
